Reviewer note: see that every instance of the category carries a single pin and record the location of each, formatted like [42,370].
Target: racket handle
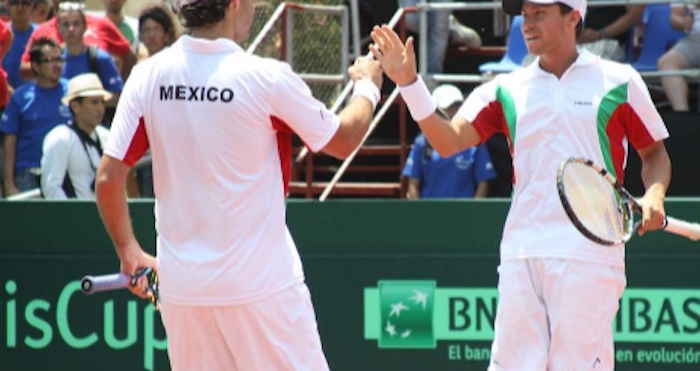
[683,228]
[92,284]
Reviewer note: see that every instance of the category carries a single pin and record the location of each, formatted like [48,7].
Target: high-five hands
[398,60]
[366,68]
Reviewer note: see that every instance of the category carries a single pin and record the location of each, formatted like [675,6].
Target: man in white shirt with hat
[72,152]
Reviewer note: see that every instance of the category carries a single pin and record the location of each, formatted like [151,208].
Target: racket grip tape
[683,228]
[92,284]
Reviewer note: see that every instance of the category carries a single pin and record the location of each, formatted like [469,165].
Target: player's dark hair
[203,13]
[565,9]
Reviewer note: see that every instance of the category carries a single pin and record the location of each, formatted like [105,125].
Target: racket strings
[596,203]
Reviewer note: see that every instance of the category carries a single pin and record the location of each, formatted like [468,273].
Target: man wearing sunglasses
[32,112]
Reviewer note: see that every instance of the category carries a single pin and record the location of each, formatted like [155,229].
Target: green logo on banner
[407,309]
[417,314]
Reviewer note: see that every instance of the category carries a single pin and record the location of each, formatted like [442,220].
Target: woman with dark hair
[156,30]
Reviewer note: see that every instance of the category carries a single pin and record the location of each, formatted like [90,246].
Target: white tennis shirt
[593,111]
[217,122]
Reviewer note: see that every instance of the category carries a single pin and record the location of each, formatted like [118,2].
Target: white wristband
[418,99]
[366,88]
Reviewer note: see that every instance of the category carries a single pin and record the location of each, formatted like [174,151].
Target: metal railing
[424,7]
[377,118]
[34,194]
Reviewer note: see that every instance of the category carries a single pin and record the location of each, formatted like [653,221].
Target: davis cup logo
[407,309]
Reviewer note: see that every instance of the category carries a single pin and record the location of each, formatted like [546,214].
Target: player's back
[203,107]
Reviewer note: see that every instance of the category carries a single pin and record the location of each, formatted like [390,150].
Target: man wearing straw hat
[72,152]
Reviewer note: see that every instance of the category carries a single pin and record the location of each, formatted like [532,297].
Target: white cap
[446,95]
[579,5]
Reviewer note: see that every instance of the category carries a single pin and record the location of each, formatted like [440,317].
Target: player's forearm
[355,120]
[113,207]
[656,170]
[441,135]
[354,123]
[447,138]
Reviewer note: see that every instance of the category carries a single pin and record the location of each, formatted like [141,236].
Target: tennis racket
[116,281]
[602,209]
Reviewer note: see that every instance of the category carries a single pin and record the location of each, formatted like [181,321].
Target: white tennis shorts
[556,315]
[276,333]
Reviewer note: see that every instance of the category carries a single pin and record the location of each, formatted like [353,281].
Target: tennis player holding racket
[558,291]
[218,121]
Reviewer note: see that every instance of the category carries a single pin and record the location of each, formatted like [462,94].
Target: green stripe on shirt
[610,102]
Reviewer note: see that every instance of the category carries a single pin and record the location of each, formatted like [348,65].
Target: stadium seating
[515,51]
[658,36]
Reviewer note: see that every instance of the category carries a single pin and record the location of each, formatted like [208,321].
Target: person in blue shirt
[72,26]
[22,28]
[463,175]
[34,109]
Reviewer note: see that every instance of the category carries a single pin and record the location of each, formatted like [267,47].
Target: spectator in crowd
[156,30]
[608,29]
[6,38]
[127,25]
[443,29]
[685,54]
[465,174]
[72,152]
[79,60]
[42,11]
[100,32]
[22,28]
[4,12]
[34,109]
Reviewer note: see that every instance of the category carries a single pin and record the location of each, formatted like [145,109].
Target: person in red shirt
[100,32]
[6,38]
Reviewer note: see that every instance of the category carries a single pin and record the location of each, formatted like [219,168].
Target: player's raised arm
[356,117]
[398,60]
